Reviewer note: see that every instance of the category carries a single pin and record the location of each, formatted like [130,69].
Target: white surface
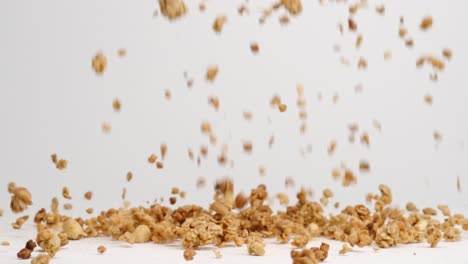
[85,251]
[52,102]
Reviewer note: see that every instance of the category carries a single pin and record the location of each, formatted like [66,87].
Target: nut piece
[99,62]
[219,23]
[211,73]
[294,7]
[101,249]
[31,245]
[20,199]
[24,253]
[426,23]
[189,254]
[172,9]
[73,229]
[41,259]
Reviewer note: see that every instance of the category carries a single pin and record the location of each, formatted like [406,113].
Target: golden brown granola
[294,7]
[99,62]
[20,221]
[219,23]
[172,9]
[20,198]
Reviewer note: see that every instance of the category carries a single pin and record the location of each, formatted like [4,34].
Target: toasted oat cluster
[293,6]
[172,9]
[20,199]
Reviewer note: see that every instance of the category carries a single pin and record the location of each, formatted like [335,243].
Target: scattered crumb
[152,158]
[219,23]
[284,20]
[387,55]
[352,25]
[211,73]
[99,63]
[344,249]
[217,253]
[426,23]
[364,166]
[428,99]
[101,249]
[458,184]
[254,47]
[19,222]
[5,243]
[89,210]
[88,195]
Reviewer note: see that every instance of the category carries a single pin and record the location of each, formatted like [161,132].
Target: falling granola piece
[99,62]
[284,20]
[294,7]
[20,199]
[344,249]
[364,166]
[282,107]
[447,53]
[66,193]
[428,99]
[172,9]
[380,9]
[387,55]
[219,23]
[129,176]
[116,105]
[359,39]
[362,64]
[352,25]
[88,195]
[247,146]
[48,241]
[211,73]
[254,48]
[426,23]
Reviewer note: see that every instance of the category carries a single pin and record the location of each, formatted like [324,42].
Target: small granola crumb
[426,23]
[458,185]
[88,195]
[89,210]
[364,166]
[255,246]
[380,9]
[5,243]
[129,176]
[254,47]
[211,73]
[387,55]
[352,25]
[67,206]
[282,108]
[284,20]
[159,165]
[189,253]
[447,53]
[152,158]
[219,23]
[99,62]
[116,105]
[247,146]
[101,249]
[172,200]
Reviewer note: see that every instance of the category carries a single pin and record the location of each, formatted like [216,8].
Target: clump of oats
[73,229]
[294,7]
[49,241]
[20,198]
[172,9]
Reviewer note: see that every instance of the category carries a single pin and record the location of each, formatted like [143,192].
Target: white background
[51,101]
